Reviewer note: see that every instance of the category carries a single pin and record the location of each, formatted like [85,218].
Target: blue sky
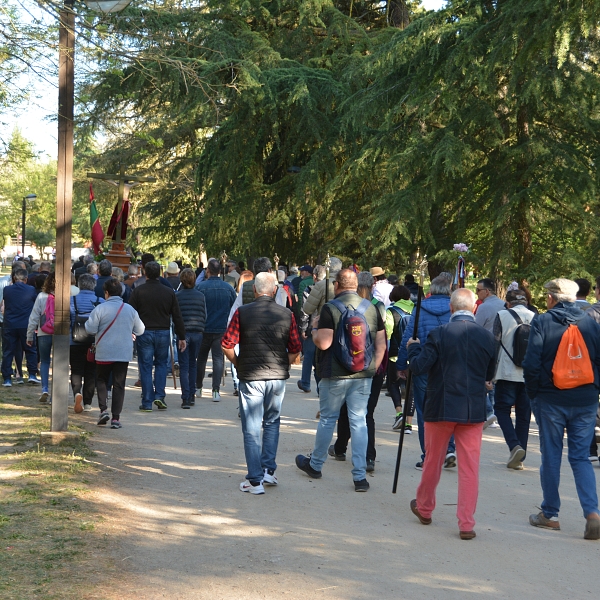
[37,117]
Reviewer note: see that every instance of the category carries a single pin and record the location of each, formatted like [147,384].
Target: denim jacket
[219,297]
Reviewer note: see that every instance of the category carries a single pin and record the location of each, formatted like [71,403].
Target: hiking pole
[327,265]
[422,267]
[173,365]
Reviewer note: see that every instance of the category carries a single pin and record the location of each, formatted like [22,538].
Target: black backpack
[80,335]
[520,340]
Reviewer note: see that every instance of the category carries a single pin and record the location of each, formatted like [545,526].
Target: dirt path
[182,529]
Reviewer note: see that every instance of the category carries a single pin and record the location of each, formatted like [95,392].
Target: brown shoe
[415,510]
[592,527]
[467,535]
[540,520]
[78,403]
[138,383]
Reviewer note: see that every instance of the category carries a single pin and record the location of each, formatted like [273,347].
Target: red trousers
[468,450]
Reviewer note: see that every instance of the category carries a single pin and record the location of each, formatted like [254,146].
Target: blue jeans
[260,406]
[14,342]
[490,399]
[153,349]
[419,387]
[309,349]
[333,393]
[44,343]
[579,422]
[187,366]
[509,394]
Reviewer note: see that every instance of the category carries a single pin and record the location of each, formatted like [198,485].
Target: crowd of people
[461,361]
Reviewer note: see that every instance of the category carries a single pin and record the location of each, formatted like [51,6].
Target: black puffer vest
[248,292]
[264,335]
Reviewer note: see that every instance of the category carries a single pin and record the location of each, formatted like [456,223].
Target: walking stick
[173,366]
[422,267]
[327,265]
[223,262]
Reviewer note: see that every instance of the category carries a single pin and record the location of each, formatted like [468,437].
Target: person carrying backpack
[350,338]
[511,330]
[562,383]
[396,320]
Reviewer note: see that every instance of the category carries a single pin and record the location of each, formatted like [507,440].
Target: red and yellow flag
[97,233]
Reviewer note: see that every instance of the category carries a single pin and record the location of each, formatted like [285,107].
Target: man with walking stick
[459,358]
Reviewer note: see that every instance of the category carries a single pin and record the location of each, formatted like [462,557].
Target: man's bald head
[462,299]
[346,280]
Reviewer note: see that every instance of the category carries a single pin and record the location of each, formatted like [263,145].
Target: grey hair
[335,265]
[105,268]
[365,278]
[132,270]
[441,285]
[86,282]
[118,274]
[319,273]
[92,268]
[265,283]
[463,299]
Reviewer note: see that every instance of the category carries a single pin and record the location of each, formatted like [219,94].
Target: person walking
[83,371]
[566,408]
[435,312]
[268,340]
[193,311]
[18,299]
[460,359]
[114,324]
[508,379]
[156,305]
[219,297]
[339,384]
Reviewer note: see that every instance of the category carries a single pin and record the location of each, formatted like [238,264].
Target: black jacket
[156,304]
[459,358]
[193,309]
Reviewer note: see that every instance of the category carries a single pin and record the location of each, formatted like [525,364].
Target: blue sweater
[86,302]
[19,299]
[435,311]
[219,297]
[544,339]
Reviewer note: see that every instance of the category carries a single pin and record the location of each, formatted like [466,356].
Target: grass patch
[52,540]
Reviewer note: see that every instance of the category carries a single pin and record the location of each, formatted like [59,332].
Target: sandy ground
[182,529]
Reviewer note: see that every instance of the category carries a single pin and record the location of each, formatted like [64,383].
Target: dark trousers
[395,386]
[343,428]
[118,370]
[83,372]
[13,344]
[211,342]
[594,444]
[509,394]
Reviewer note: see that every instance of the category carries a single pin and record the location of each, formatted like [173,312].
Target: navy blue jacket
[435,311]
[459,358]
[220,297]
[86,302]
[19,299]
[544,339]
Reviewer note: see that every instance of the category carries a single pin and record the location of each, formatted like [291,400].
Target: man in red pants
[460,360]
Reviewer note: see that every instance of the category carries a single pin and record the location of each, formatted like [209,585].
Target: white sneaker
[246,486]
[87,408]
[490,420]
[450,461]
[270,478]
[216,397]
[495,425]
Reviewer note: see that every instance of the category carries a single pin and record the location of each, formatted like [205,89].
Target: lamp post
[64,204]
[25,198]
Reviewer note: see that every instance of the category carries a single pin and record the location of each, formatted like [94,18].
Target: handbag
[80,335]
[91,351]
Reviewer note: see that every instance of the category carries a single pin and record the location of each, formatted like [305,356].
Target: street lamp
[64,205]
[25,198]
